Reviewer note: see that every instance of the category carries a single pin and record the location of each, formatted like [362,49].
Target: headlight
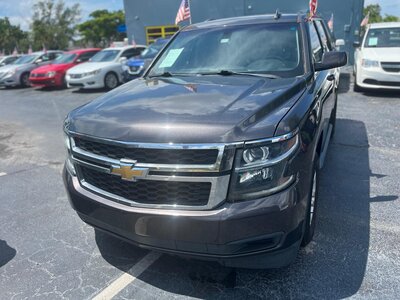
[261,169]
[11,72]
[95,72]
[368,63]
[51,74]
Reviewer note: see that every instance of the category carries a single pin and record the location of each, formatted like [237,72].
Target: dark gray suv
[215,153]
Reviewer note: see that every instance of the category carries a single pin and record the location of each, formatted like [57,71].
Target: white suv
[103,70]
[377,61]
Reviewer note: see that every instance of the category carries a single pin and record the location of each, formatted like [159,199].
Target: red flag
[183,12]
[365,21]
[330,23]
[313,8]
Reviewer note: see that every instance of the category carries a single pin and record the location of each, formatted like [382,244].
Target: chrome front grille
[193,177]
[150,192]
[76,76]
[38,75]
[155,156]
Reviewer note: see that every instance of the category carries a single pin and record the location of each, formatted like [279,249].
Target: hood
[90,66]
[52,68]
[206,109]
[7,68]
[382,54]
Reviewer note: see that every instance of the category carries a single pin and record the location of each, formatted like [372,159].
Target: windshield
[26,59]
[65,59]
[153,49]
[383,37]
[105,55]
[261,48]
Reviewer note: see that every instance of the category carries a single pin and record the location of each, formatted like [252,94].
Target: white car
[377,61]
[104,70]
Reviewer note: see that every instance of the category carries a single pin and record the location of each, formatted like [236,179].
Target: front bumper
[377,78]
[47,81]
[10,81]
[263,233]
[88,82]
[128,76]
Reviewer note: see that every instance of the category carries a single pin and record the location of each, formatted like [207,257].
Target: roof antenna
[277,14]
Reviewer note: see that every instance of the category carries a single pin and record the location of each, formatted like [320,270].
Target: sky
[19,11]
[390,7]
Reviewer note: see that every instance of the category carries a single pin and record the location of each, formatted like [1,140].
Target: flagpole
[190,9]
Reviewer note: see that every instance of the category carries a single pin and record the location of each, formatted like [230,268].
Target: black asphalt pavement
[47,252]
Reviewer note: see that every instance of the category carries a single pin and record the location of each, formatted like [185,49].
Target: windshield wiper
[229,73]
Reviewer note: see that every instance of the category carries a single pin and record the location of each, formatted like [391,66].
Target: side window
[45,57]
[86,56]
[131,52]
[315,43]
[324,38]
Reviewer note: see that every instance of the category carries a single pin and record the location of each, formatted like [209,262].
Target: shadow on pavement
[344,83]
[331,267]
[383,94]
[89,91]
[6,253]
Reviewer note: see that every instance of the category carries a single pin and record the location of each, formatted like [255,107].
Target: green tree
[375,15]
[53,23]
[390,18]
[374,11]
[101,29]
[12,37]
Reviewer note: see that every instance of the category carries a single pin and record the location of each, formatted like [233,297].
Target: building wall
[140,13]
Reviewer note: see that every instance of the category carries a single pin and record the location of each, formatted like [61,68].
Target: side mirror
[340,42]
[356,44]
[123,60]
[78,61]
[331,60]
[39,61]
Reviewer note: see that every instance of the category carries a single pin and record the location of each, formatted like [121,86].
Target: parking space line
[124,280]
[3,174]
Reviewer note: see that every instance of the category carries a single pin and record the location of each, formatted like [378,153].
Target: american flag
[183,12]
[365,21]
[330,23]
[313,8]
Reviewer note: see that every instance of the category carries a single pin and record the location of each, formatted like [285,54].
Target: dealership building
[151,19]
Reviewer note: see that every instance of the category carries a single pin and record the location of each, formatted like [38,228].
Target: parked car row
[8,59]
[86,68]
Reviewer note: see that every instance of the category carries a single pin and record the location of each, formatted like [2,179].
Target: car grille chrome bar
[190,174]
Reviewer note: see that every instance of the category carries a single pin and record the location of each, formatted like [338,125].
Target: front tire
[24,80]
[312,205]
[111,81]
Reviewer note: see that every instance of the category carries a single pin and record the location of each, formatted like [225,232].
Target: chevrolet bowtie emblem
[126,169]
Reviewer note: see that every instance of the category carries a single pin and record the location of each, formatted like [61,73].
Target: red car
[54,74]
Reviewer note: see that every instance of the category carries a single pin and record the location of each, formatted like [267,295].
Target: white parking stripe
[3,174]
[119,284]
